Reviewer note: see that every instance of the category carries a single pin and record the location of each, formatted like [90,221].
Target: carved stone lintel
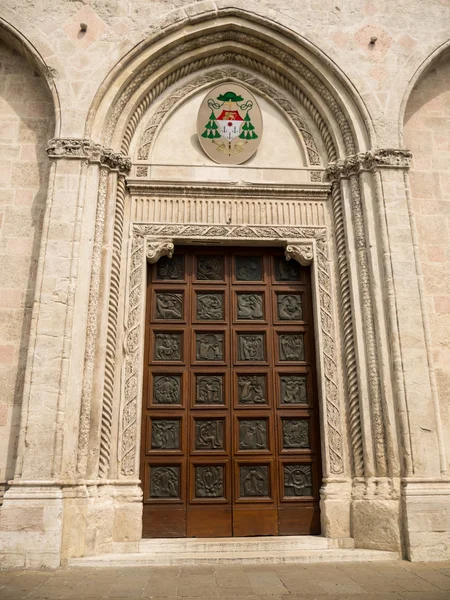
[157,249]
[302,253]
[85,149]
[369,161]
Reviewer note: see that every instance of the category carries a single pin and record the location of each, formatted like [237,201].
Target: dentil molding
[369,161]
[85,149]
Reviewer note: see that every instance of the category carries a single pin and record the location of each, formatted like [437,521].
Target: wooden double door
[230,433]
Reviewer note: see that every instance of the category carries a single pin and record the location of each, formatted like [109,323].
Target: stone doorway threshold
[238,551]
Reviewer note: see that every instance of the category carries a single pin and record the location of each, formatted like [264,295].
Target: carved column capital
[302,253]
[394,158]
[157,248]
[86,149]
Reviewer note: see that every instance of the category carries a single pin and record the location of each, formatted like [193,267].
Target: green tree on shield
[211,128]
[248,132]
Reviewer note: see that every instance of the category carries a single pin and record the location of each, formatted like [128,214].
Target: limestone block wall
[26,123]
[427,134]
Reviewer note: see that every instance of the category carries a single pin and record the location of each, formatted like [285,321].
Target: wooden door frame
[310,247]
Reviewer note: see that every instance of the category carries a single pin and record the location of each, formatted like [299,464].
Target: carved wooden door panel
[230,422]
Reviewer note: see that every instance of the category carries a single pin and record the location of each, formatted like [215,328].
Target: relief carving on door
[209,434]
[164,482]
[295,433]
[210,268]
[209,389]
[169,306]
[253,434]
[254,480]
[209,346]
[250,306]
[167,346]
[292,347]
[210,307]
[252,389]
[289,307]
[251,346]
[293,389]
[209,482]
[165,434]
[167,389]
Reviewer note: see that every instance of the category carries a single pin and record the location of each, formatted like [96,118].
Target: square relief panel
[297,480]
[168,346]
[169,306]
[165,481]
[291,346]
[251,346]
[289,307]
[166,389]
[252,389]
[209,434]
[209,389]
[166,434]
[254,481]
[171,269]
[287,270]
[253,434]
[250,306]
[210,268]
[209,346]
[293,389]
[295,433]
[209,481]
[248,268]
[209,306]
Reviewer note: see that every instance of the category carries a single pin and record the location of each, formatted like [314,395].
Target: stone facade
[358,190]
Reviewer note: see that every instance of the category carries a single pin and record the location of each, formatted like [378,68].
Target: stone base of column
[375,514]
[335,500]
[101,518]
[30,526]
[426,510]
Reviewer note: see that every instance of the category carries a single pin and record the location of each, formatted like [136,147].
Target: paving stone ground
[344,581]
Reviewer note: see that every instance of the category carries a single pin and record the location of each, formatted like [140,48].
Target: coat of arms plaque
[229,124]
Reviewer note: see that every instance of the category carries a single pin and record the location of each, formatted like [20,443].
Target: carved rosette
[151,234]
[302,253]
[369,161]
[85,149]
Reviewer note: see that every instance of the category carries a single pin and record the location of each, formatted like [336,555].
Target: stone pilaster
[52,416]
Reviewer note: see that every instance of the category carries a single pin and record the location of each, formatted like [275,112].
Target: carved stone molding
[152,235]
[85,149]
[369,161]
[195,190]
[158,248]
[216,58]
[302,253]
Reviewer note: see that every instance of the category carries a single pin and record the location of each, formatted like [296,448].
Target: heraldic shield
[229,124]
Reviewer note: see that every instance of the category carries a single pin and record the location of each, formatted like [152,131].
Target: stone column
[425,486]
[31,519]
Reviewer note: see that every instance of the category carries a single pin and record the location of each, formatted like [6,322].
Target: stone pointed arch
[17,40]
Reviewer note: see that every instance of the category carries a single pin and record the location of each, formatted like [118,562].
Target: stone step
[243,544]
[234,558]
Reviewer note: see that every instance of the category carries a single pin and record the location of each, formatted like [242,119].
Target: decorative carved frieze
[85,149]
[295,192]
[369,161]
